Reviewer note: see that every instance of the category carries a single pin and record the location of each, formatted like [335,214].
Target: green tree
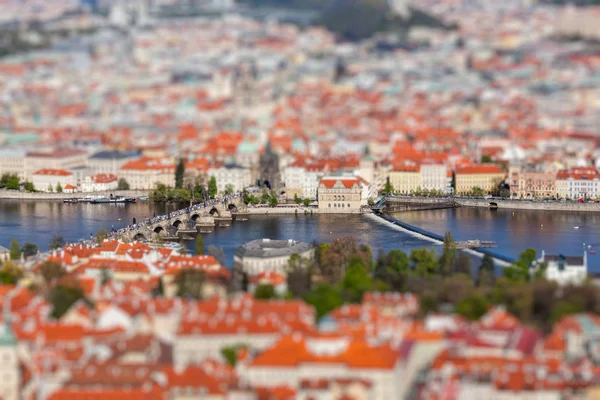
[229,189]
[63,295]
[519,270]
[50,188]
[230,354]
[29,249]
[190,283]
[306,202]
[273,199]
[212,187]
[297,199]
[477,191]
[15,250]
[56,242]
[325,298]
[265,197]
[472,307]
[428,302]
[424,261]
[448,255]
[265,292]
[51,271]
[199,245]
[388,188]
[28,186]
[179,172]
[485,159]
[10,273]
[563,308]
[487,271]
[462,264]
[123,184]
[101,235]
[11,181]
[356,281]
[299,276]
[59,188]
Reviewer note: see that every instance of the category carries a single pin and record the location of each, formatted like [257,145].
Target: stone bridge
[182,223]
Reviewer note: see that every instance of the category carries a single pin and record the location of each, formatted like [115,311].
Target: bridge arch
[214,211]
[177,223]
[160,230]
[139,237]
[232,207]
[194,217]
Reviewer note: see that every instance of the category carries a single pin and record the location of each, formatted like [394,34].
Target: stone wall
[14,194]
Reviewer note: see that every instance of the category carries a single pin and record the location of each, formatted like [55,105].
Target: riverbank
[509,204]
[14,194]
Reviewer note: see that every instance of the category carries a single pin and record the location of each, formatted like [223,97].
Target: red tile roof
[348,182]
[480,169]
[53,172]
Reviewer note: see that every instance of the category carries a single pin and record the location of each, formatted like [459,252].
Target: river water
[513,231]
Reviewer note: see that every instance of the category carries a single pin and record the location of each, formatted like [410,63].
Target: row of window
[338,205]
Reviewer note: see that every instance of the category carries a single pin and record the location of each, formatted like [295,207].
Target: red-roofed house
[49,179]
[145,173]
[340,194]
[99,183]
[578,183]
[298,358]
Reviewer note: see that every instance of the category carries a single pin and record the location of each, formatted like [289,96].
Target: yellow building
[486,177]
[406,179]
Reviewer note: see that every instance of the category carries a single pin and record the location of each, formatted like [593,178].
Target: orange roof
[115,265]
[53,172]
[195,377]
[108,393]
[104,178]
[70,187]
[294,350]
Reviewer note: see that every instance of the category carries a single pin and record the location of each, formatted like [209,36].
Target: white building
[341,194]
[12,162]
[99,183]
[576,183]
[266,255]
[48,179]
[146,173]
[230,174]
[59,158]
[434,177]
[302,179]
[565,269]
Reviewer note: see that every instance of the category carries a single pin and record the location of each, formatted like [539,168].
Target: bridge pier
[224,219]
[240,215]
[205,224]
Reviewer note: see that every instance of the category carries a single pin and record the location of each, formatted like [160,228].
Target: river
[513,231]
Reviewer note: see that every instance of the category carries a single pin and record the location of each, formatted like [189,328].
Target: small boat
[144,198]
[71,200]
[575,227]
[113,200]
[592,252]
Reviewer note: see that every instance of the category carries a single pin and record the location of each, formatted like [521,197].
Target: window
[329,205]
[348,205]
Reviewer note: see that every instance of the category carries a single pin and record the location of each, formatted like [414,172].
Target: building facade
[231,175]
[406,179]
[48,180]
[565,269]
[146,173]
[578,183]
[60,158]
[265,255]
[530,182]
[99,183]
[340,195]
[486,177]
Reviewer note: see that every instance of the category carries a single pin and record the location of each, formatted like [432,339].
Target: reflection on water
[513,231]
